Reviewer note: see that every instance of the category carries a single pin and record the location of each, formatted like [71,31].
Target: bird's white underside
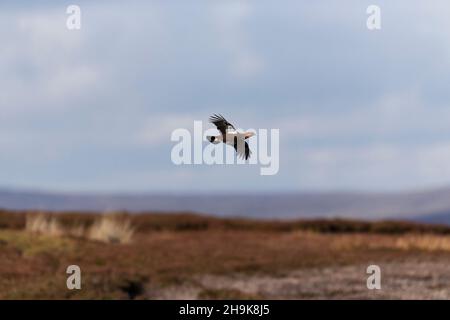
[230,137]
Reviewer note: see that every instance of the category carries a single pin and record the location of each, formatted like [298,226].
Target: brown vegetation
[172,255]
[145,222]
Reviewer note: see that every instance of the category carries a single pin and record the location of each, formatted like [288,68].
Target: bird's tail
[212,139]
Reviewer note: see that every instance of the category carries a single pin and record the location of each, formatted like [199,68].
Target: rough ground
[153,256]
[400,280]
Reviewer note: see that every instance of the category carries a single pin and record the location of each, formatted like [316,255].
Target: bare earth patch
[400,280]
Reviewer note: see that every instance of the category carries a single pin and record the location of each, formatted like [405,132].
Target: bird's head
[249,134]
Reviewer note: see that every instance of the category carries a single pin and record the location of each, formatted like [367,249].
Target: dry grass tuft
[44,224]
[424,242]
[112,228]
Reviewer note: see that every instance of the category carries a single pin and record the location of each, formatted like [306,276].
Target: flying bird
[233,138]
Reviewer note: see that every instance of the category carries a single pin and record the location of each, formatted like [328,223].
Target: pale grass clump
[78,231]
[112,229]
[44,224]
[109,228]
[424,242]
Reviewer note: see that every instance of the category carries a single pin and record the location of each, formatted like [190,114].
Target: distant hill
[426,206]
[434,218]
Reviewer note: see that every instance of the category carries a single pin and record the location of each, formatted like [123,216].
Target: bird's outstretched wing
[242,148]
[221,124]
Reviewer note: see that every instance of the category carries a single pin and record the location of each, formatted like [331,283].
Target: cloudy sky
[93,110]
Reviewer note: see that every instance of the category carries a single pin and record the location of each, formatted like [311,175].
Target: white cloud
[376,167]
[398,142]
[41,62]
[229,21]
[401,113]
[158,128]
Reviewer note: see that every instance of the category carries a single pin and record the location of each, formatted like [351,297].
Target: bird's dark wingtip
[216,117]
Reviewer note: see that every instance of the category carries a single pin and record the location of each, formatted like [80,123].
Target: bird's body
[228,138]
[233,138]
